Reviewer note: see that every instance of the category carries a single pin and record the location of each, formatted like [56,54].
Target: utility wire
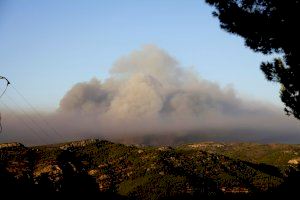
[7,84]
[31,119]
[41,117]
[29,116]
[24,122]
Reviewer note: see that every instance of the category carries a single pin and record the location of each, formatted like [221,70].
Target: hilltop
[206,169]
[280,155]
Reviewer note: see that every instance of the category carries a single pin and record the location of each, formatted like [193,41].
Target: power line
[7,84]
[23,121]
[28,116]
[37,112]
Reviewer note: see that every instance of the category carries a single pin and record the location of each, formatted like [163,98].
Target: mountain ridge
[209,169]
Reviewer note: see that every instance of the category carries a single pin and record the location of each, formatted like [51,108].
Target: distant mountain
[237,135]
[209,170]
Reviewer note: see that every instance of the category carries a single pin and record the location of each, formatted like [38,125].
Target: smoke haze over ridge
[149,92]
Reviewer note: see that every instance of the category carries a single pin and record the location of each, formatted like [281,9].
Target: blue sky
[48,46]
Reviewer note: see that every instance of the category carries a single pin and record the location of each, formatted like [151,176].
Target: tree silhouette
[268,26]
[75,178]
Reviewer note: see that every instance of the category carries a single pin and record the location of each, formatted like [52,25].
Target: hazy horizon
[149,92]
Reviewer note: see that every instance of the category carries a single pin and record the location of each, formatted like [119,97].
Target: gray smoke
[149,92]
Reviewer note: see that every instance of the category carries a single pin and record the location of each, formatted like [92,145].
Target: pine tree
[268,26]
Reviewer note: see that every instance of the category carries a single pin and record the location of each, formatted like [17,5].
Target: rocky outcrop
[81,143]
[53,172]
[294,161]
[165,148]
[206,144]
[11,145]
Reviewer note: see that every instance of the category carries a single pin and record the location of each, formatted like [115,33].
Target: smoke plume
[149,92]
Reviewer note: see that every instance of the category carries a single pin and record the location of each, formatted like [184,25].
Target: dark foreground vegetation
[268,27]
[115,171]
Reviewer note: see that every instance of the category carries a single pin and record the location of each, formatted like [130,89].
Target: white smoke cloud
[147,83]
[150,92]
